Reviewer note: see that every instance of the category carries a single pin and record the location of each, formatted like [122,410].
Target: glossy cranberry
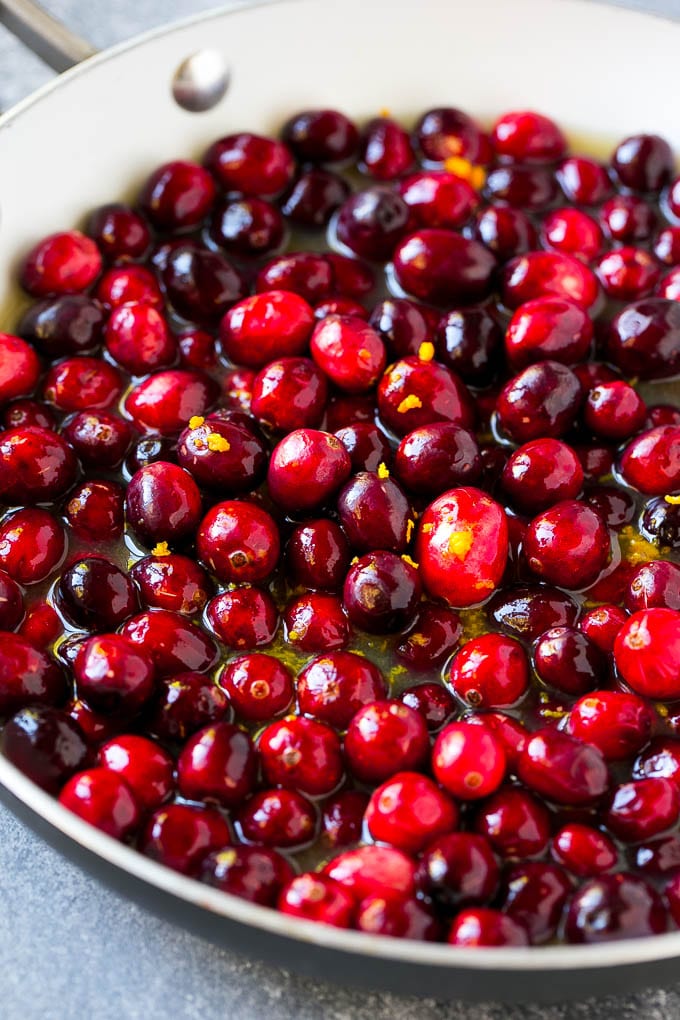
[672,199]
[541,473]
[313,197]
[321,136]
[145,767]
[65,263]
[99,439]
[612,907]
[121,285]
[147,450]
[574,232]
[172,582]
[397,916]
[409,811]
[527,611]
[658,858]
[627,274]
[562,768]
[318,554]
[446,132]
[546,329]
[462,546]
[306,274]
[505,231]
[250,164]
[584,851]
[258,685]
[265,326]
[534,895]
[81,384]
[567,545]
[166,401]
[416,391]
[381,592]
[95,511]
[655,584]
[343,816]
[432,701]
[647,652]
[435,633]
[469,341]
[594,373]
[437,457]
[247,227]
[526,136]
[11,597]
[280,818]
[372,222]
[541,401]
[597,460]
[316,622]
[352,278]
[197,350]
[238,541]
[171,642]
[178,195]
[661,521]
[651,461]
[45,744]
[32,543]
[162,503]
[614,410]
[628,219]
[490,671]
[616,722]
[103,799]
[180,836]
[548,274]
[373,871]
[515,823]
[317,898]
[438,199]
[443,268]
[482,926]
[385,149]
[567,660]
[374,512]
[243,617]
[640,810]
[112,675]
[222,455]
[521,187]
[290,394]
[257,874]
[19,368]
[583,181]
[468,761]
[119,231]
[36,465]
[183,704]
[602,624]
[306,468]
[340,306]
[644,339]
[95,594]
[349,352]
[138,338]
[201,285]
[667,246]
[643,162]
[333,687]
[458,869]
[217,764]
[301,754]
[385,737]
[28,412]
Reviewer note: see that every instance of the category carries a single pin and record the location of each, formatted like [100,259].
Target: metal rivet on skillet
[200,81]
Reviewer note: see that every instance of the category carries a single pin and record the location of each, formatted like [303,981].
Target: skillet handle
[48,38]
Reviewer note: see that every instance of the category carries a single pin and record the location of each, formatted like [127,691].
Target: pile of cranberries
[345,577]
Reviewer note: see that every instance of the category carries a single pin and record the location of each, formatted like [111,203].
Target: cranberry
[541,473]
[616,722]
[374,513]
[306,274]
[146,768]
[201,284]
[301,754]
[45,744]
[11,598]
[602,624]
[647,653]
[138,338]
[469,342]
[340,306]
[651,461]
[95,511]
[527,611]
[528,136]
[321,136]
[643,162]
[119,231]
[32,543]
[597,460]
[373,871]
[217,764]
[343,816]
[366,445]
[505,231]
[180,836]
[95,594]
[19,368]
[482,926]
[431,700]
[521,187]
[381,592]
[65,263]
[583,851]
[178,195]
[574,232]
[221,454]
[627,273]
[490,671]
[185,703]
[614,410]
[642,809]
[661,521]
[333,687]
[318,554]
[654,584]
[548,328]
[462,546]
[458,869]
[289,394]
[82,384]
[541,401]
[658,857]
[613,907]
[417,391]
[567,545]
[315,622]
[644,339]
[238,541]
[247,227]
[397,916]
[280,818]
[435,633]
[197,350]
[103,799]
[121,285]
[468,761]
[534,895]
[371,223]
[408,811]
[627,219]
[384,737]
[515,823]
[166,401]
[445,132]
[385,150]
[661,758]
[253,873]
[28,412]
[667,246]
[258,685]
[162,503]
[171,642]
[567,660]
[438,199]
[244,617]
[437,457]
[443,268]
[313,197]
[172,582]
[112,675]
[349,352]
[250,164]
[548,274]
[583,181]
[317,898]
[99,439]
[306,468]
[345,410]
[562,769]
[352,278]
[36,465]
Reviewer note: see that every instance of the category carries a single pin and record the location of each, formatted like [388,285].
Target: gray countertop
[70,948]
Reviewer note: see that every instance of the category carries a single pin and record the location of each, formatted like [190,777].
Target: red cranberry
[597,460]
[178,195]
[317,898]
[409,811]
[548,274]
[352,278]
[313,197]
[238,541]
[418,391]
[98,438]
[567,545]
[307,274]
[505,231]
[373,871]
[19,368]
[462,546]
[655,584]
[247,227]
[527,611]
[627,273]
[180,836]
[42,625]
[658,857]
[244,617]
[534,895]
[250,164]
[431,700]
[438,199]
[32,543]
[45,744]
[445,132]
[333,687]
[122,285]
[574,232]
[171,642]
[280,818]
[521,187]
[28,412]
[541,401]
[515,823]
[166,401]
[562,768]
[669,285]
[458,869]
[397,916]
[36,465]
[366,445]
[528,136]
[95,726]
[374,513]
[318,554]
[217,764]
[321,136]
[583,181]
[172,582]
[349,352]
[661,521]
[384,737]
[343,817]
[162,503]
[95,511]
[541,473]
[490,671]
[385,150]
[11,597]
[145,767]
[138,338]
[602,624]
[289,394]
[112,675]
[316,622]
[614,410]
[469,342]
[306,468]
[651,461]
[627,219]
[222,455]
[371,222]
[184,704]
[614,907]
[103,799]
[95,594]
[119,231]
[548,328]
[661,758]
[642,809]
[437,457]
[435,633]
[253,873]
[667,246]
[643,162]
[644,339]
[443,268]
[566,659]
[301,754]
[647,653]
[381,592]
[468,761]
[201,284]
[197,350]
[65,263]
[583,851]
[259,686]
[82,384]
[482,926]
[616,722]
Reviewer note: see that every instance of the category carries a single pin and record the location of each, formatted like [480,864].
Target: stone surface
[70,948]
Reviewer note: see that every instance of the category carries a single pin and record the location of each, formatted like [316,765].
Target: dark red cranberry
[667,246]
[602,624]
[313,197]
[11,598]
[36,465]
[418,391]
[138,338]
[661,758]
[162,503]
[567,660]
[643,162]
[583,181]
[247,227]
[172,582]
[95,726]
[222,455]
[658,858]
[574,232]
[250,164]
[119,231]
[516,823]
[95,511]
[657,414]
[301,754]
[318,554]
[616,722]
[567,545]
[490,671]
[541,473]
[321,136]
[238,541]
[397,916]
[147,450]
[469,341]
[197,350]
[343,817]
[651,461]
[613,907]
[437,457]
[584,851]
[65,263]
[661,521]
[184,704]
[431,700]
[597,460]
[443,268]
[349,409]
[548,329]
[534,895]
[644,339]
[642,809]
[669,285]
[100,439]
[521,187]
[217,764]
[371,223]
[628,219]
[32,543]
[385,737]
[306,468]
[280,818]
[253,873]
[166,401]
[45,744]
[457,870]
[627,274]
[180,836]
[438,199]
[317,898]
[548,274]
[381,592]
[435,633]
[541,401]
[374,512]
[340,306]
[482,926]
[259,686]
[95,594]
[145,767]
[334,686]
[178,195]
[562,768]
[505,231]
[527,611]
[103,799]
[352,278]
[385,149]
[409,811]
[28,412]
[468,761]
[445,132]
[201,285]
[42,625]
[307,274]
[654,584]
[243,617]
[112,675]
[290,394]
[171,642]
[616,507]
[373,871]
